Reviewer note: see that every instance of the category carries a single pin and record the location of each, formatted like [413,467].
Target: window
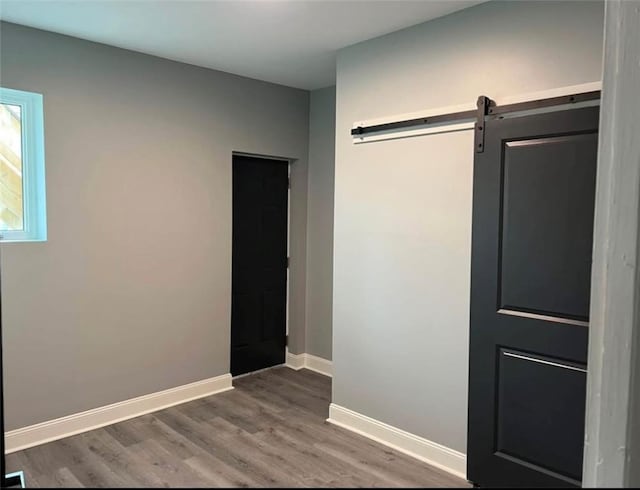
[22,184]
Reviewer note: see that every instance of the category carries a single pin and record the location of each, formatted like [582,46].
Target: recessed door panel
[540,411]
[547,224]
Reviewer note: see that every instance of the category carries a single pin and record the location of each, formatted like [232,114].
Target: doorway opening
[259,285]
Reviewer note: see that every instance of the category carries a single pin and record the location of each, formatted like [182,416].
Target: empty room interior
[305,243]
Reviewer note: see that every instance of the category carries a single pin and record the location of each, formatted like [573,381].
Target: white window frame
[33,174]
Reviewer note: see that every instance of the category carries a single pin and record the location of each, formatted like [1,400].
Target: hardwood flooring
[270,431]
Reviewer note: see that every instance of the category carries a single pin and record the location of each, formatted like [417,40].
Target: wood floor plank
[315,383]
[270,431]
[16,461]
[266,461]
[118,458]
[289,396]
[164,466]
[361,450]
[199,458]
[47,458]
[93,472]
[312,463]
[224,449]
[368,467]
[125,433]
[62,477]
[220,475]
[330,467]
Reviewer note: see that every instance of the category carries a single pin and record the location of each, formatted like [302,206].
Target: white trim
[51,430]
[467,124]
[430,452]
[261,156]
[416,114]
[318,364]
[19,475]
[288,294]
[33,166]
[612,428]
[547,94]
[309,361]
[419,131]
[294,361]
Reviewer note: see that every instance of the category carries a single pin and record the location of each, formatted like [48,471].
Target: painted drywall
[322,130]
[131,293]
[612,442]
[402,230]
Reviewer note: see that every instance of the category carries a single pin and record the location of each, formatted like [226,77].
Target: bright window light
[22,178]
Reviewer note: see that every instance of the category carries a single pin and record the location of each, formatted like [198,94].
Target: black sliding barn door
[533,204]
[259,263]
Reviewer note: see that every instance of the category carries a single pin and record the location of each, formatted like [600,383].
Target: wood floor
[270,431]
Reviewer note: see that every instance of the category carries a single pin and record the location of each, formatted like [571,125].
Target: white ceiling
[287,42]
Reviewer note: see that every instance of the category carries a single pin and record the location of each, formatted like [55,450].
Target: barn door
[533,204]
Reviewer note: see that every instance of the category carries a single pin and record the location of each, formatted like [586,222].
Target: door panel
[259,263]
[538,398]
[534,189]
[545,264]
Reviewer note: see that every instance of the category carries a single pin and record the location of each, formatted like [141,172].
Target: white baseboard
[318,364]
[51,430]
[311,362]
[294,361]
[430,452]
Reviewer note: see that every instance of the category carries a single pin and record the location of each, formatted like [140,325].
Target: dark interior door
[259,277]
[533,205]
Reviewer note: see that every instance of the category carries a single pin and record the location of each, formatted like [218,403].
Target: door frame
[290,161]
[612,433]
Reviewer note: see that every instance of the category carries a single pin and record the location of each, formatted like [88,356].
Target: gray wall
[131,293]
[403,207]
[322,130]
